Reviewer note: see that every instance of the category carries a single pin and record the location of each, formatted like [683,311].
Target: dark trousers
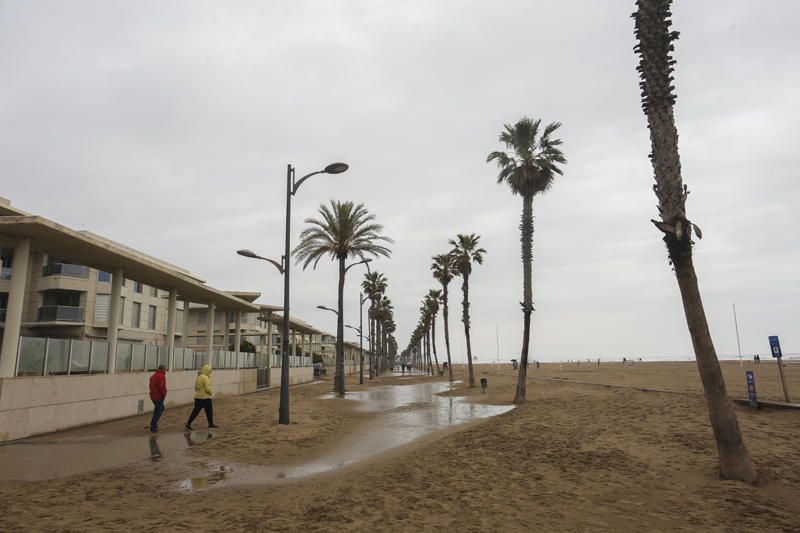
[158,410]
[205,405]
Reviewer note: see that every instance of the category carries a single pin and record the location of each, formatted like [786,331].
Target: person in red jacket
[158,393]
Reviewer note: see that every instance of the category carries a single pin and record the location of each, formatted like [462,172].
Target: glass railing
[64,313]
[65,269]
[42,357]
[5,273]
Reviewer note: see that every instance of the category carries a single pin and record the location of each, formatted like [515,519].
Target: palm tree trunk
[465,319]
[447,331]
[428,349]
[371,326]
[526,238]
[378,360]
[652,22]
[340,331]
[433,342]
[734,461]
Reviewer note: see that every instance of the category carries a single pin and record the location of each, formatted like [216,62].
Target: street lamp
[291,189]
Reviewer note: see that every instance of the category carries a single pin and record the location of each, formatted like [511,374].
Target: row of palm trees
[529,168]
[457,261]
[381,324]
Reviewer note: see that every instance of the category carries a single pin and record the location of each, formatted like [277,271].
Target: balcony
[61,313]
[65,269]
[5,273]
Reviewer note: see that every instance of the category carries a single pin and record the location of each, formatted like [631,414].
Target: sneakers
[154,430]
[212,426]
[187,427]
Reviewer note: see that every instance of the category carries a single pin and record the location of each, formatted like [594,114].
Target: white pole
[738,345]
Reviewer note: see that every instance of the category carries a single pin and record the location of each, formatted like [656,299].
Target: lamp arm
[275,263]
[296,184]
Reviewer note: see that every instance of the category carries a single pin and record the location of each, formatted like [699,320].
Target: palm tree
[442,268]
[655,44]
[345,230]
[529,169]
[465,252]
[374,286]
[432,302]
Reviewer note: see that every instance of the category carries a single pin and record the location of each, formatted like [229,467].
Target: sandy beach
[576,457]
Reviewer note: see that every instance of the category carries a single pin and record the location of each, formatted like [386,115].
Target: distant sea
[663,358]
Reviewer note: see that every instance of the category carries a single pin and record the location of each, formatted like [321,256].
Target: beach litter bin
[484,384]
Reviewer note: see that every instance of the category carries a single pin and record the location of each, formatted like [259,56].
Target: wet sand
[575,457]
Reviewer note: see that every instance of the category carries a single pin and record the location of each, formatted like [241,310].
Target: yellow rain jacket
[202,386]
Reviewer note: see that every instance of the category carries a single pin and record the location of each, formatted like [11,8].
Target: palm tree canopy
[432,300]
[466,251]
[442,268]
[532,163]
[374,284]
[345,230]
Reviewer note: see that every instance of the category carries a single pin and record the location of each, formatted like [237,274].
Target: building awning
[84,249]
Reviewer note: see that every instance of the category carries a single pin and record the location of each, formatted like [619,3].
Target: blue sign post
[751,388]
[775,348]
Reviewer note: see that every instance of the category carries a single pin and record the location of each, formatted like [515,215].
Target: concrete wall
[43,404]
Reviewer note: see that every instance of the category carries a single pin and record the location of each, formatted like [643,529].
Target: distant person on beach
[537,365]
[158,393]
[202,398]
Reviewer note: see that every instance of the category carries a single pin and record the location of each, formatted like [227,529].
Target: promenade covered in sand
[575,457]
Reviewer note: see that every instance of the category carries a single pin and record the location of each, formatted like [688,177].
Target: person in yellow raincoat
[202,398]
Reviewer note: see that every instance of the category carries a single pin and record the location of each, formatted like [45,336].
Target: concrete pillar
[172,309]
[308,347]
[114,313]
[237,337]
[210,333]
[16,298]
[269,338]
[185,332]
[226,339]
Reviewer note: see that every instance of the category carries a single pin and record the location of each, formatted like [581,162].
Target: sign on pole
[751,388]
[775,346]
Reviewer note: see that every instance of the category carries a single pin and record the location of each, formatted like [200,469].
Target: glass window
[138,358]
[124,357]
[151,318]
[138,286]
[136,315]
[57,356]
[99,357]
[103,276]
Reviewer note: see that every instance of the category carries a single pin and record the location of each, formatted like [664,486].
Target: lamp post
[291,189]
[360,340]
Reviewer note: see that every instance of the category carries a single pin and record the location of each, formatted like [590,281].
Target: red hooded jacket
[158,385]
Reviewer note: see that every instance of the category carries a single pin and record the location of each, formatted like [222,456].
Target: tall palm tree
[655,44]
[432,301]
[529,168]
[374,286]
[345,230]
[465,252]
[442,268]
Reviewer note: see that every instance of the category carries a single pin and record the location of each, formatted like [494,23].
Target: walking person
[158,393]
[202,398]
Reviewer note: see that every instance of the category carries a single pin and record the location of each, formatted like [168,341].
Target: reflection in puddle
[409,412]
[49,457]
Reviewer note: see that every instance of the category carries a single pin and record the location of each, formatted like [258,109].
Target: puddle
[48,457]
[409,412]
[406,413]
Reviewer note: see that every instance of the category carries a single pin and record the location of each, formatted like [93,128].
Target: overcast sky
[167,126]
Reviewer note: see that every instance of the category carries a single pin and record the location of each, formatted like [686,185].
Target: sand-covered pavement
[575,457]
